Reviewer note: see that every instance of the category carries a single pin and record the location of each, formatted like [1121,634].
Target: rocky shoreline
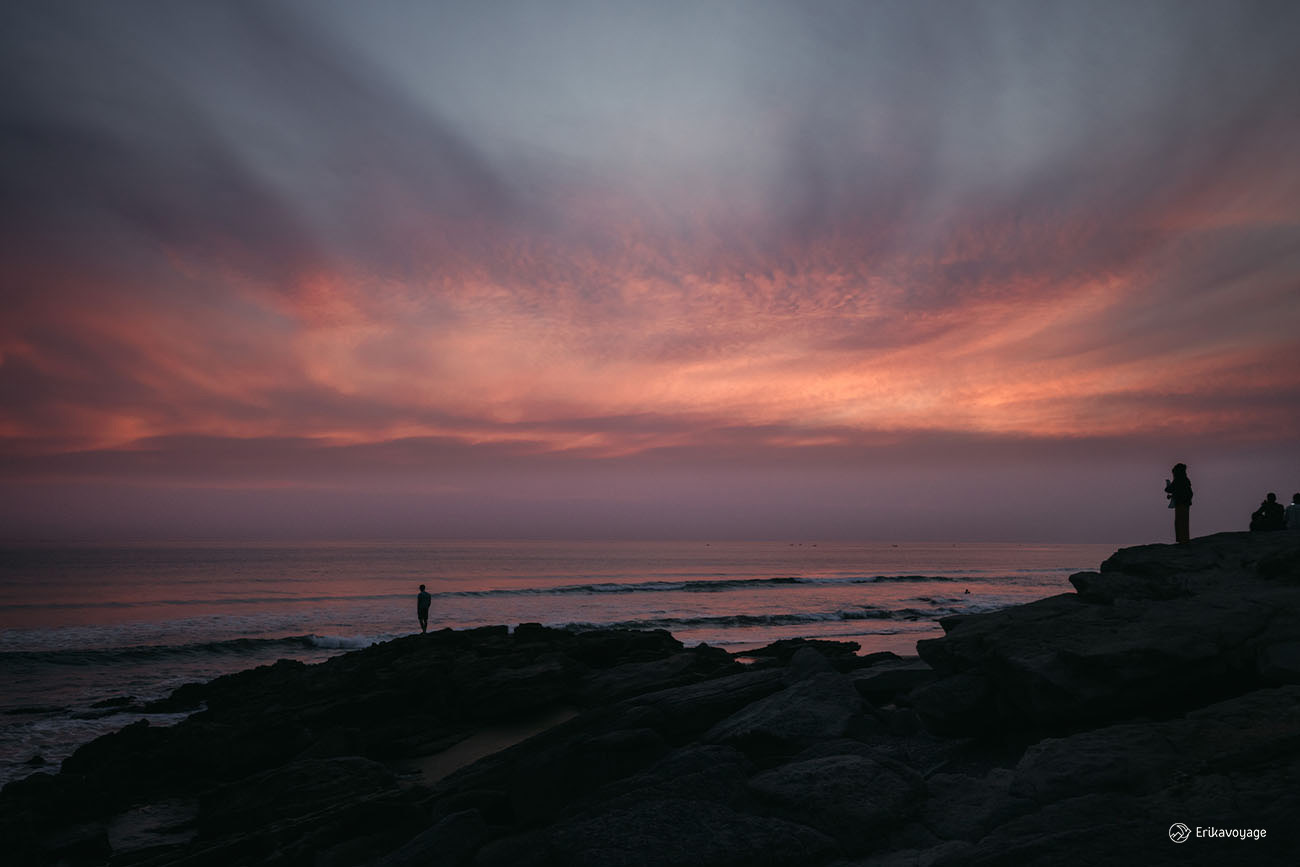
[1079,729]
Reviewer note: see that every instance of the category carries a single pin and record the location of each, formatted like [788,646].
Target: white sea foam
[339,642]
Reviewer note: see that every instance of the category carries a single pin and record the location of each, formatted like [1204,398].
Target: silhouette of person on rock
[1179,491]
[422,600]
[1269,516]
[1293,513]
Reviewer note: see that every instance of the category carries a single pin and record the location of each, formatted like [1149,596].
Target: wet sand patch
[488,740]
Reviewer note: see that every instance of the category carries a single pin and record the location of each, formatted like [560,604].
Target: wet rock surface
[1073,730]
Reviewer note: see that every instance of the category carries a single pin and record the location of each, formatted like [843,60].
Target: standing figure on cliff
[1179,491]
[422,600]
[1293,513]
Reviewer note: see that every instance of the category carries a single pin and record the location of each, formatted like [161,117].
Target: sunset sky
[836,270]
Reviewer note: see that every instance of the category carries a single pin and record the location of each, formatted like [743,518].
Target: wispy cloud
[606,232]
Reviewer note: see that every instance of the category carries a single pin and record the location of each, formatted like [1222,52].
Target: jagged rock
[676,833]
[963,646]
[635,678]
[1279,662]
[819,707]
[853,799]
[1109,586]
[1083,832]
[882,684]
[524,688]
[922,753]
[527,849]
[1065,661]
[950,853]
[544,783]
[544,775]
[1138,778]
[292,791]
[1281,565]
[695,774]
[535,633]
[807,661]
[684,711]
[449,843]
[75,844]
[1132,757]
[962,703]
[1221,557]
[34,710]
[607,647]
[704,772]
[390,700]
[785,648]
[961,807]
[153,830]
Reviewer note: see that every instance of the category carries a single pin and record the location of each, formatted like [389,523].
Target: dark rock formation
[817,708]
[850,798]
[1161,629]
[289,759]
[1071,731]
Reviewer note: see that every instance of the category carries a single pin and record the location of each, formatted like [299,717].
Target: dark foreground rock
[1076,730]
[1160,629]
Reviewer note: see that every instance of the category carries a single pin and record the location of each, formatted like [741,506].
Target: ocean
[83,627]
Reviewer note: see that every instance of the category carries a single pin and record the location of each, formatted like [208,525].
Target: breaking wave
[741,621]
[154,652]
[706,586]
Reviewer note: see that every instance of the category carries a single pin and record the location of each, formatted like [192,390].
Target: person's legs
[1181,529]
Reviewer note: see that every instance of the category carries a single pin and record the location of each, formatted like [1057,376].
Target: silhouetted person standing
[1293,513]
[1179,491]
[1269,516]
[422,600]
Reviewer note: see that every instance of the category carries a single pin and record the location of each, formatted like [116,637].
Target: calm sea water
[80,626]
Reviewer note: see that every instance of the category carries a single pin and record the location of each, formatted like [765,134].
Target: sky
[770,270]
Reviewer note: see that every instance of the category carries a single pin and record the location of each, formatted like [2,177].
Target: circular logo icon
[1178,832]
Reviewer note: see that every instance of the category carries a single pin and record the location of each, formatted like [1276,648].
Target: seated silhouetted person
[1293,513]
[1269,516]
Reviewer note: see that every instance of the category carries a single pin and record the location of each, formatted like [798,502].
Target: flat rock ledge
[1075,730]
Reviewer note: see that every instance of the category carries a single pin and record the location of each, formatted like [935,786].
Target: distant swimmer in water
[967,591]
[422,600]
